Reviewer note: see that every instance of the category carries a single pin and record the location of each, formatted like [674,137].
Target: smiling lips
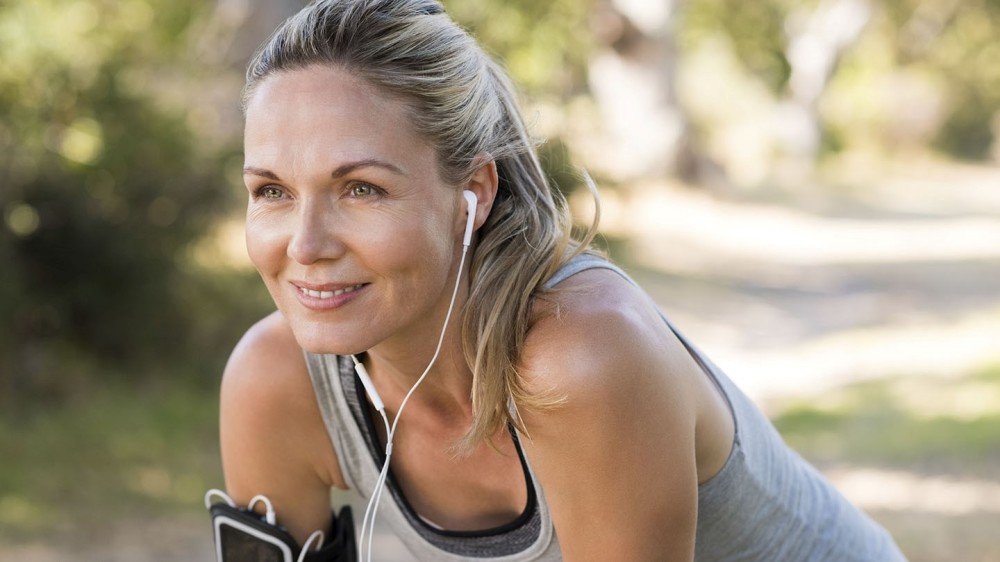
[328,294]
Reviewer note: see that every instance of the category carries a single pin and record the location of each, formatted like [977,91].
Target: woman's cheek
[263,241]
[405,244]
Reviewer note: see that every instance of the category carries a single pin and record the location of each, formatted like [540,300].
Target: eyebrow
[338,173]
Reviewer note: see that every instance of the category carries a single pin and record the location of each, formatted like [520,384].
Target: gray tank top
[765,504]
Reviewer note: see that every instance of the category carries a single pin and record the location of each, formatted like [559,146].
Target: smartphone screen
[236,541]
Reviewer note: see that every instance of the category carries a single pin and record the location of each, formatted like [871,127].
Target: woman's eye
[362,190]
[267,192]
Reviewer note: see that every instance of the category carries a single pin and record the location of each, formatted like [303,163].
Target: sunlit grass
[918,423]
[123,451]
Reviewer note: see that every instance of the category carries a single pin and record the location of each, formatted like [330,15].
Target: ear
[484,183]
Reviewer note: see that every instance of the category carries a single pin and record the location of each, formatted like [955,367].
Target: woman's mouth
[326,300]
[328,294]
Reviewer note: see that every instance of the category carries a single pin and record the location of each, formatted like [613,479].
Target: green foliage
[539,42]
[755,30]
[967,55]
[104,186]
[958,43]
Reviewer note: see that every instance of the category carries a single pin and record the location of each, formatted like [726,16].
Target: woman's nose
[315,236]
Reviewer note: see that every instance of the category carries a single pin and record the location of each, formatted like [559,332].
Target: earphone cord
[376,496]
[390,432]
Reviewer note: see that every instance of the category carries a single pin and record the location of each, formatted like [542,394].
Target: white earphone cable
[377,498]
[378,488]
[305,548]
[380,482]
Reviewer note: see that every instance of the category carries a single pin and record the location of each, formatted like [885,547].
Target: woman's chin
[316,340]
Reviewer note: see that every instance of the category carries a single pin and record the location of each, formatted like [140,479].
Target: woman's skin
[342,190]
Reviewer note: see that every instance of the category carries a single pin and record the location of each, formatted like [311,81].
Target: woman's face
[343,194]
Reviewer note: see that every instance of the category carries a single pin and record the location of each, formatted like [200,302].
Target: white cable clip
[366,381]
[269,516]
[217,492]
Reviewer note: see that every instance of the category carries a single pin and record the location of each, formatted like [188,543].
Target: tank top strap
[580,263]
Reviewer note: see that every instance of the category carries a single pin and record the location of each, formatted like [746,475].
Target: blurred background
[810,190]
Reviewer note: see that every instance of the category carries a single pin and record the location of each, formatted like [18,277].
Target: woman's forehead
[331,111]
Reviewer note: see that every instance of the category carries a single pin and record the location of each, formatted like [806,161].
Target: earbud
[472,201]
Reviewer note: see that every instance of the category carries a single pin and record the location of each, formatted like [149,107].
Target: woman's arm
[272,435]
[617,459]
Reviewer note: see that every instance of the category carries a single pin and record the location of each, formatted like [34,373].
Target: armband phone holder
[242,535]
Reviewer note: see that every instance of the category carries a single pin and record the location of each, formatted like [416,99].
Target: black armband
[242,535]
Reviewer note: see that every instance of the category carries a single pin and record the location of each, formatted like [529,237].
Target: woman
[563,416]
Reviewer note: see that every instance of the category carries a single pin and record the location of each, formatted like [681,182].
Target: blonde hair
[464,104]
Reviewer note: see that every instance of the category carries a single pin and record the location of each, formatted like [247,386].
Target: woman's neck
[395,366]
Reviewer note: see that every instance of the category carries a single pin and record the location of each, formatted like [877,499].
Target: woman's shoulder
[266,378]
[623,418]
[271,335]
[595,332]
[269,360]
